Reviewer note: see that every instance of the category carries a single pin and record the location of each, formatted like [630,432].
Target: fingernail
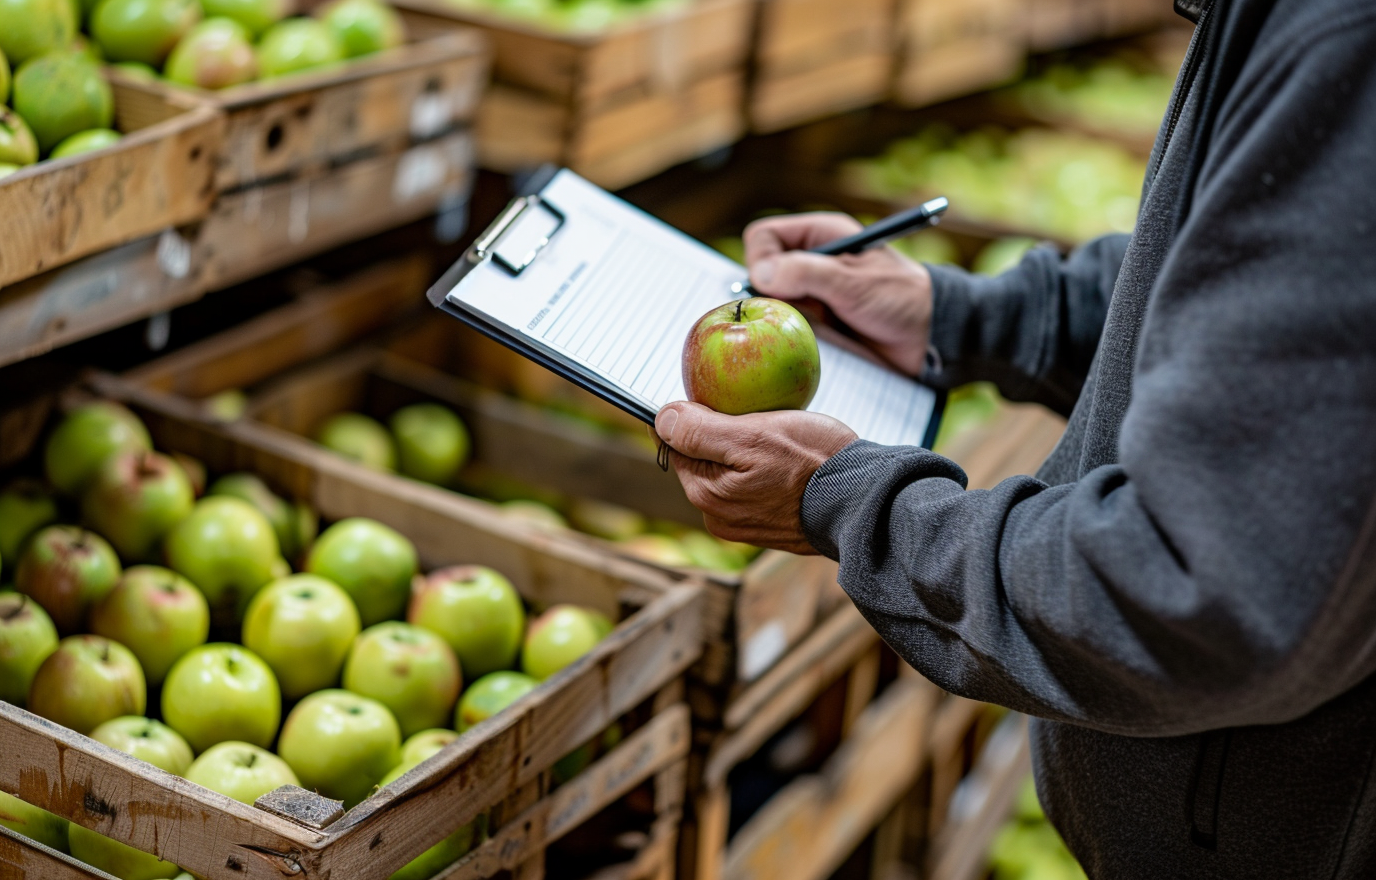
[664,425]
[763,271]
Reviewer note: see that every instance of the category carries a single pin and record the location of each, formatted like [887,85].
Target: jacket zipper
[1192,61]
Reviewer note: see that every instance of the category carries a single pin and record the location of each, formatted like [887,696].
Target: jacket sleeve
[1223,573]
[1032,330]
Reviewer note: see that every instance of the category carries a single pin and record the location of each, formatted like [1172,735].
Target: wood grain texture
[157,176]
[951,49]
[805,831]
[24,859]
[794,35]
[782,100]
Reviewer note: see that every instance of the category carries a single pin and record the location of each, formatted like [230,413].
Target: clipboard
[568,266]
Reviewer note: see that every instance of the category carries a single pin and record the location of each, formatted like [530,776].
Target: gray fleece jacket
[1185,595]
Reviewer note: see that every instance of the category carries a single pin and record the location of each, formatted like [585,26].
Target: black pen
[886,230]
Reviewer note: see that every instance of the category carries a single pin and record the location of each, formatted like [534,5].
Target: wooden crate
[500,765]
[265,227]
[953,48]
[807,828]
[1061,24]
[157,176]
[618,105]
[376,105]
[817,58]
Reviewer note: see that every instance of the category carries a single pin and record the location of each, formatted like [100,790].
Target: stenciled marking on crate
[763,649]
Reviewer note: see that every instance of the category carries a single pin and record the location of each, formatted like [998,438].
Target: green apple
[221,692]
[136,70]
[25,507]
[534,514]
[135,499]
[659,549]
[86,437]
[27,638]
[297,45]
[59,95]
[67,570]
[7,168]
[157,613]
[227,549]
[4,78]
[147,740]
[256,15]
[33,822]
[410,670]
[302,626]
[340,744]
[35,27]
[194,469]
[432,442]
[142,30]
[216,54]
[557,638]
[295,525]
[85,142]
[604,520]
[489,695]
[422,745]
[364,27]
[241,771]
[119,859]
[359,438]
[751,355]
[87,681]
[18,146]
[373,563]
[476,610]
[710,553]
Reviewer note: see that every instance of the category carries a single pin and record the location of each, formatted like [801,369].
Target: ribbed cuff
[832,487]
[953,306]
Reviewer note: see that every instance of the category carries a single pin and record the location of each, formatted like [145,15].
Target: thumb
[693,430]
[796,274]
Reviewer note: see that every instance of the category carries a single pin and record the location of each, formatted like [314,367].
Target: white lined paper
[616,291]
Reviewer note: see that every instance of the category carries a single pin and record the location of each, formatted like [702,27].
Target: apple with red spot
[751,355]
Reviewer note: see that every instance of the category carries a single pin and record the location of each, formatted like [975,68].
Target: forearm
[1033,330]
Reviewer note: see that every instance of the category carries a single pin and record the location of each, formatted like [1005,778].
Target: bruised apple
[215,54]
[751,355]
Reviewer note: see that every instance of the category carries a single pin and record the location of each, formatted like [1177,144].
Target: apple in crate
[410,670]
[340,744]
[35,27]
[363,26]
[227,549]
[558,637]
[33,822]
[373,563]
[67,570]
[135,499]
[87,436]
[145,31]
[432,442]
[256,15]
[147,740]
[27,638]
[221,692]
[302,626]
[476,610]
[419,746]
[241,771]
[157,613]
[216,54]
[25,507]
[359,438]
[751,355]
[295,524]
[119,859]
[489,695]
[87,681]
[297,45]
[87,141]
[18,146]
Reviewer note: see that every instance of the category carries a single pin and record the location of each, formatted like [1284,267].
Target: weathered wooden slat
[24,859]
[960,850]
[156,177]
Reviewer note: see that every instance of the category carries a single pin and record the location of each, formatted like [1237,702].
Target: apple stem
[740,304]
[147,466]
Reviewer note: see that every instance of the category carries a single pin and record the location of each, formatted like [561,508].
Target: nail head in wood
[300,806]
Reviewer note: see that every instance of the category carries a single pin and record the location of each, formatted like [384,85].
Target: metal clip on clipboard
[516,238]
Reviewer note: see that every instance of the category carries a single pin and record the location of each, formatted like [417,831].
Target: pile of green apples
[1061,184]
[1110,94]
[1028,848]
[163,617]
[574,16]
[59,102]
[429,442]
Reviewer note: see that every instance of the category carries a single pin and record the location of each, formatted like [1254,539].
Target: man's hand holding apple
[747,473]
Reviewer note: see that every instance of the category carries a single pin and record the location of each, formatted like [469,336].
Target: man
[1185,598]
